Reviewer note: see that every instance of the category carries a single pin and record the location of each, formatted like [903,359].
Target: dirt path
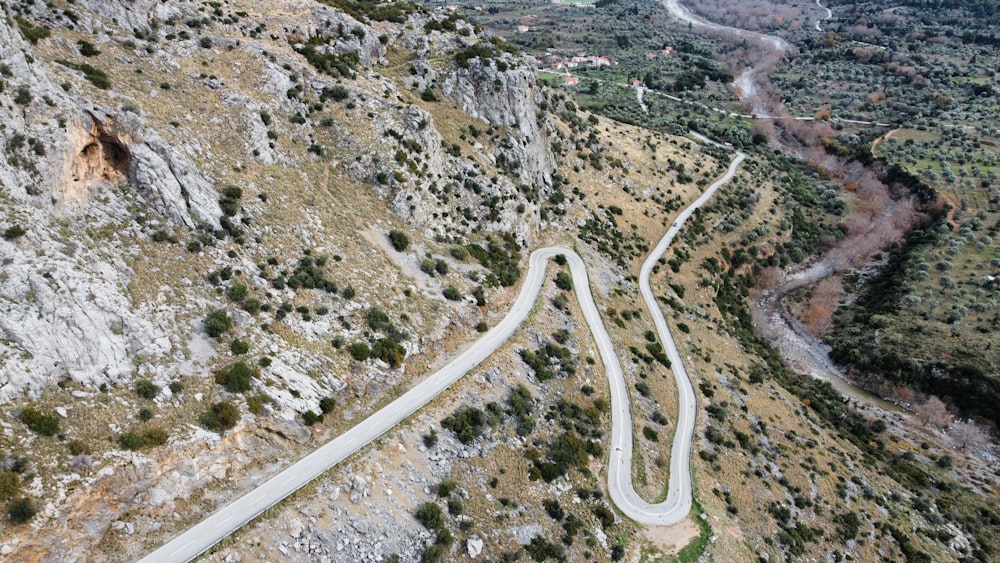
[879,140]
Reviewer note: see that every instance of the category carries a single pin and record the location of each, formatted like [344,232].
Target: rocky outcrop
[505,98]
[65,309]
[340,34]
[130,14]
[118,149]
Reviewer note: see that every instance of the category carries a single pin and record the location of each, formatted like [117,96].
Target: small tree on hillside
[933,411]
[399,240]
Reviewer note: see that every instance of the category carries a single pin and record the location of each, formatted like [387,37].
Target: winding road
[223,522]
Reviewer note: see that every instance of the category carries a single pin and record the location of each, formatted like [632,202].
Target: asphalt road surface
[226,520]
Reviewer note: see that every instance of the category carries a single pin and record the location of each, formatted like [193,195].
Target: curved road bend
[226,520]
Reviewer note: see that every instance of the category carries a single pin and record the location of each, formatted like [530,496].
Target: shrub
[554,509]
[451,293]
[95,76]
[430,439]
[87,48]
[32,33]
[131,441]
[467,423]
[359,351]
[429,514]
[21,510]
[156,436]
[255,403]
[399,240]
[239,347]
[145,414]
[650,434]
[327,404]
[310,418]
[77,447]
[10,484]
[445,488]
[564,281]
[44,424]
[217,323]
[220,416]
[146,389]
[238,378]
[14,231]
[238,292]
[176,387]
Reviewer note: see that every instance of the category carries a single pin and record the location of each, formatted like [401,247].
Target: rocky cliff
[69,167]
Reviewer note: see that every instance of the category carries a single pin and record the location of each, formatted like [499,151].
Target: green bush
[389,351]
[239,347]
[564,281]
[553,509]
[238,378]
[255,403]
[146,389]
[155,436]
[217,323]
[650,434]
[21,510]
[445,488]
[77,447]
[95,76]
[430,439]
[399,240]
[327,404]
[44,424]
[131,441]
[238,292]
[310,418]
[451,293]
[359,351]
[220,416]
[87,48]
[10,484]
[32,33]
[429,514]
[145,414]
[467,423]
[14,231]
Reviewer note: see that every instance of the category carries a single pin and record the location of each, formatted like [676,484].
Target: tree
[933,411]
[21,510]
[968,435]
[399,240]
[217,323]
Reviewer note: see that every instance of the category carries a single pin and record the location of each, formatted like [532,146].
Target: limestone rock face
[340,34]
[65,311]
[130,14]
[505,98]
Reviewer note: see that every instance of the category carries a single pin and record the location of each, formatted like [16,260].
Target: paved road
[233,516]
